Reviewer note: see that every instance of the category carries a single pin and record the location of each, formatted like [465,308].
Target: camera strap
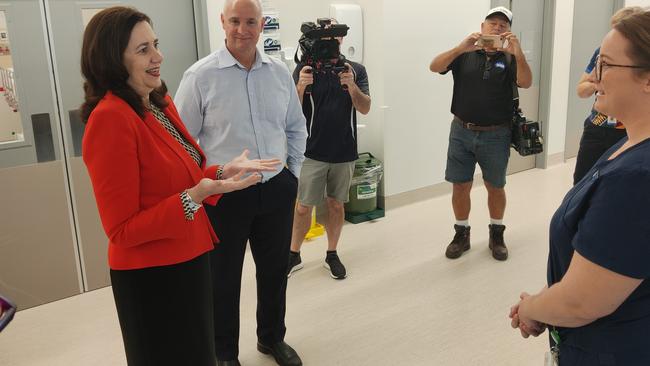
[515,88]
[295,56]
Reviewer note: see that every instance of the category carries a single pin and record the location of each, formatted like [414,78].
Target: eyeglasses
[600,64]
[486,69]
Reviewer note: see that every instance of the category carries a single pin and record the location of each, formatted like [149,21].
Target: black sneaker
[334,266]
[295,263]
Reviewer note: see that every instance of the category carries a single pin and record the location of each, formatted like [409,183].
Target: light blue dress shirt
[228,108]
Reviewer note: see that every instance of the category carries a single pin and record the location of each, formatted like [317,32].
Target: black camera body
[526,135]
[323,55]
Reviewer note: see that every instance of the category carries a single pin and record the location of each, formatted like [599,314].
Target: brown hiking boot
[497,245]
[460,243]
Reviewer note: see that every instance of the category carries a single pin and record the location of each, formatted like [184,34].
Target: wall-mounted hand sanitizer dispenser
[350,14]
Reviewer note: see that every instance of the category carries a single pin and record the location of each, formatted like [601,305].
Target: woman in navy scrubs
[597,302]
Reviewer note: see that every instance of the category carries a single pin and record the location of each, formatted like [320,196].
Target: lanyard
[555,350]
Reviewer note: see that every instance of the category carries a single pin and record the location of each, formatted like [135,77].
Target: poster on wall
[271,35]
[272,43]
[271,21]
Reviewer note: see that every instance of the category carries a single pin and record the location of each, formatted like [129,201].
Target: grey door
[527,24]
[173,22]
[38,254]
[590,24]
[52,244]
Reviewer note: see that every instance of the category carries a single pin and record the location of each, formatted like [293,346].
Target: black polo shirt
[483,87]
[331,117]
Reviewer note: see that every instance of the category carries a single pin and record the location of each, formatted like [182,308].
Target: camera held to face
[526,135]
[319,47]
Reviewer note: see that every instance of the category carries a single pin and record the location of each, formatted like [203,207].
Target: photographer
[485,67]
[331,90]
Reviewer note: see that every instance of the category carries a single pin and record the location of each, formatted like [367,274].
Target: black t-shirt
[331,117]
[483,87]
[605,218]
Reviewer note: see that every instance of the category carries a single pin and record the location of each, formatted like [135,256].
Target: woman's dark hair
[636,28]
[102,60]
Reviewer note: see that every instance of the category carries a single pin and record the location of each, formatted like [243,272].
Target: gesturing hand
[242,164]
[208,187]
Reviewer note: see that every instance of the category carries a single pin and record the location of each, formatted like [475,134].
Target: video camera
[323,55]
[526,135]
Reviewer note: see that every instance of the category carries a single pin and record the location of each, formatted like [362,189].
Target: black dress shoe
[228,363]
[283,353]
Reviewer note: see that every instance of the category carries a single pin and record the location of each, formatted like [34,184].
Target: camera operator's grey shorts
[318,178]
[490,149]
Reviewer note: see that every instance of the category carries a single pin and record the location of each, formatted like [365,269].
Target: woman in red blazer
[150,180]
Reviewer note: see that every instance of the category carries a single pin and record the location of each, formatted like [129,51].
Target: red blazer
[137,171]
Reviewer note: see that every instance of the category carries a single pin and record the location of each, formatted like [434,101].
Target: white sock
[462,223]
[496,222]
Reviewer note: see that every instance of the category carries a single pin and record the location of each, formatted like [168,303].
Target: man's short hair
[228,4]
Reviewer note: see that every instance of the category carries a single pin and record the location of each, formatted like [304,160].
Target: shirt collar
[225,59]
[491,54]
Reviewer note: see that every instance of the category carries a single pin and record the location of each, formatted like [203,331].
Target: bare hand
[527,327]
[513,46]
[347,76]
[469,44]
[306,77]
[242,164]
[208,187]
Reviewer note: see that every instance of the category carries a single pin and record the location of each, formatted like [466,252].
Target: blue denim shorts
[490,149]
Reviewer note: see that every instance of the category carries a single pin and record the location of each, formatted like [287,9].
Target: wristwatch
[189,206]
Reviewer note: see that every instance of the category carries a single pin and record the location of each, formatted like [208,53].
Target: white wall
[418,116]
[408,124]
[560,76]
[637,3]
[214,23]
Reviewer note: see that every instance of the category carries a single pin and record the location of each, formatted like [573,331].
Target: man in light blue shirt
[238,98]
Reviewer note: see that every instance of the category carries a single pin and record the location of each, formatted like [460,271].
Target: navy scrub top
[606,218]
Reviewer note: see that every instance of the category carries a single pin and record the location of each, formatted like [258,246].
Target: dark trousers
[593,144]
[166,313]
[263,215]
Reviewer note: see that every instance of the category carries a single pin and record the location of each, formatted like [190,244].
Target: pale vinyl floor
[403,303]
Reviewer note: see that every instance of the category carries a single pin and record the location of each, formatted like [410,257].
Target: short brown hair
[623,13]
[102,60]
[636,28]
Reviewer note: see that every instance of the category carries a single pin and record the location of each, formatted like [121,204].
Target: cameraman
[484,79]
[330,109]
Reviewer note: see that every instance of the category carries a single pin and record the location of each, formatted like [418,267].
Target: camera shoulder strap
[515,89]
[295,56]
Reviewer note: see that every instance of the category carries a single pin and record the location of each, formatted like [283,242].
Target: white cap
[500,10]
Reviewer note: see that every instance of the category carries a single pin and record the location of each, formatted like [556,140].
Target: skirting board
[421,194]
[555,159]
[441,189]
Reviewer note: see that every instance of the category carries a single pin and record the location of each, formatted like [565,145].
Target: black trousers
[263,215]
[166,313]
[593,144]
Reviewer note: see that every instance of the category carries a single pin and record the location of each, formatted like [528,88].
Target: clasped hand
[527,327]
